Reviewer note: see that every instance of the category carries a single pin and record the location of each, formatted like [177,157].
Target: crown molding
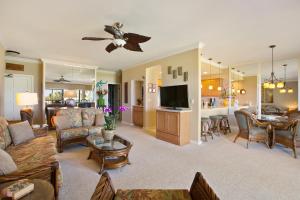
[68,64]
[106,71]
[198,45]
[22,59]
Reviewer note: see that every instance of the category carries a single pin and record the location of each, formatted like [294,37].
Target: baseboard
[127,123]
[196,142]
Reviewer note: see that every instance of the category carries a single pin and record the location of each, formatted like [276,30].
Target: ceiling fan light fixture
[119,42]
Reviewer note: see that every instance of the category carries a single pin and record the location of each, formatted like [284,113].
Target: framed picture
[185,76]
[179,69]
[169,69]
[174,74]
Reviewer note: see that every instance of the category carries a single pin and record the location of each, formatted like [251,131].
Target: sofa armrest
[47,172]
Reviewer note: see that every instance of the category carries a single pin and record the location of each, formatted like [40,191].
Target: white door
[13,84]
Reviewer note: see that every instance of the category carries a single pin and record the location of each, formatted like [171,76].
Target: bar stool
[215,124]
[224,124]
[205,128]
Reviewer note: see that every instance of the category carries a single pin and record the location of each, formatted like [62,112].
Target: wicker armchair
[250,128]
[199,190]
[286,135]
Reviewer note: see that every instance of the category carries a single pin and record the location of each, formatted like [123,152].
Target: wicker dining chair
[286,135]
[250,128]
[200,190]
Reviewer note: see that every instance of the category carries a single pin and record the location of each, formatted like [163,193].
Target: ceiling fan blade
[136,38]
[110,47]
[56,80]
[110,29]
[95,38]
[133,47]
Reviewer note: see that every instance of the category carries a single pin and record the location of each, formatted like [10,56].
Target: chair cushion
[95,130]
[73,133]
[88,116]
[99,121]
[62,122]
[5,139]
[284,133]
[21,132]
[257,131]
[7,165]
[73,114]
[147,194]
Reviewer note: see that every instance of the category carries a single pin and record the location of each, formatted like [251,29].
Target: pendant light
[272,82]
[283,90]
[238,91]
[243,90]
[210,86]
[219,87]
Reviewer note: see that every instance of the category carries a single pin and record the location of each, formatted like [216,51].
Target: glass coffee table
[109,154]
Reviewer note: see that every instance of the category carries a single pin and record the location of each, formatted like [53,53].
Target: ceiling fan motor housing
[119,42]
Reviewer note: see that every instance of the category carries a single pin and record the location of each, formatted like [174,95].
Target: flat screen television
[174,96]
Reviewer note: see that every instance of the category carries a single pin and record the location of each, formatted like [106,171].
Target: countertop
[170,110]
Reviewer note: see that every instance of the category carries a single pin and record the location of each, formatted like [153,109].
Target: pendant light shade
[290,90]
[282,91]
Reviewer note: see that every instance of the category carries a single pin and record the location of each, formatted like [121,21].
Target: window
[54,95]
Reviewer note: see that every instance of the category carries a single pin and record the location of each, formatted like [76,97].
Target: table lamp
[26,99]
[70,94]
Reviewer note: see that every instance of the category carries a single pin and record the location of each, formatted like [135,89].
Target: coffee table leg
[101,163]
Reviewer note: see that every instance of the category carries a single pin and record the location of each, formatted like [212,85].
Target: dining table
[274,122]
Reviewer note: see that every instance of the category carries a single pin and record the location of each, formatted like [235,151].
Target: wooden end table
[42,190]
[109,154]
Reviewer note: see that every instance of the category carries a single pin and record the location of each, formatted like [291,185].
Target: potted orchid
[110,121]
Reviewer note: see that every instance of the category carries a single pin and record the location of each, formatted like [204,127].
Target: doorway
[15,83]
[114,96]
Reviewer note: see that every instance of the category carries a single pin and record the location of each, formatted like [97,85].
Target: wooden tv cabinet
[173,126]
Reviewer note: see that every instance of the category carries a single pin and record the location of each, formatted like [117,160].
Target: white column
[198,93]
[229,90]
[43,91]
[258,90]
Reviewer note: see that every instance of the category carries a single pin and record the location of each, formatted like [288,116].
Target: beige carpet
[232,170]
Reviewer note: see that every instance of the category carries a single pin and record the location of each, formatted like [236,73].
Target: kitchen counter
[206,112]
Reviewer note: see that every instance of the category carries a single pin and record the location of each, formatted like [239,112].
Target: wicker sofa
[35,159]
[82,124]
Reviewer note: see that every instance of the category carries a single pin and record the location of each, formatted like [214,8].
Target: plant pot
[108,134]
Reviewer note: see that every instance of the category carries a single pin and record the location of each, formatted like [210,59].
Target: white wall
[2,70]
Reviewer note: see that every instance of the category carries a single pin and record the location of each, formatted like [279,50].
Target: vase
[108,134]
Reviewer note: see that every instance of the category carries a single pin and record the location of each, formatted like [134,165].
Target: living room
[149,99]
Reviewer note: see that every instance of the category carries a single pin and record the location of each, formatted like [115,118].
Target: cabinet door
[172,123]
[160,121]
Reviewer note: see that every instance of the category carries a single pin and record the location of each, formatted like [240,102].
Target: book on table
[18,189]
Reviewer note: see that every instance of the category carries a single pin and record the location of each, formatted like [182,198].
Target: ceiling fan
[129,41]
[61,79]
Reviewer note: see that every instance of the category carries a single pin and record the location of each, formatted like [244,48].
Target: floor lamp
[26,99]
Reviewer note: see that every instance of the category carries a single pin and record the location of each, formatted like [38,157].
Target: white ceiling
[233,31]
[74,74]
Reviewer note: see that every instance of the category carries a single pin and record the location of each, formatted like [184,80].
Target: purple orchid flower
[123,108]
[107,109]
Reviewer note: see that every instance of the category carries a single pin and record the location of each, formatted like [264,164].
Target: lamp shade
[26,99]
[70,94]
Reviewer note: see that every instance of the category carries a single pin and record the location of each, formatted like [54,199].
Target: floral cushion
[146,194]
[74,115]
[95,130]
[5,139]
[88,116]
[73,133]
[35,153]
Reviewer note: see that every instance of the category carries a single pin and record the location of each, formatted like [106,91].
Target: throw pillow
[99,119]
[7,165]
[20,132]
[5,139]
[62,122]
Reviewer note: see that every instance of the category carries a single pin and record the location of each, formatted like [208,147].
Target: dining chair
[286,135]
[250,128]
